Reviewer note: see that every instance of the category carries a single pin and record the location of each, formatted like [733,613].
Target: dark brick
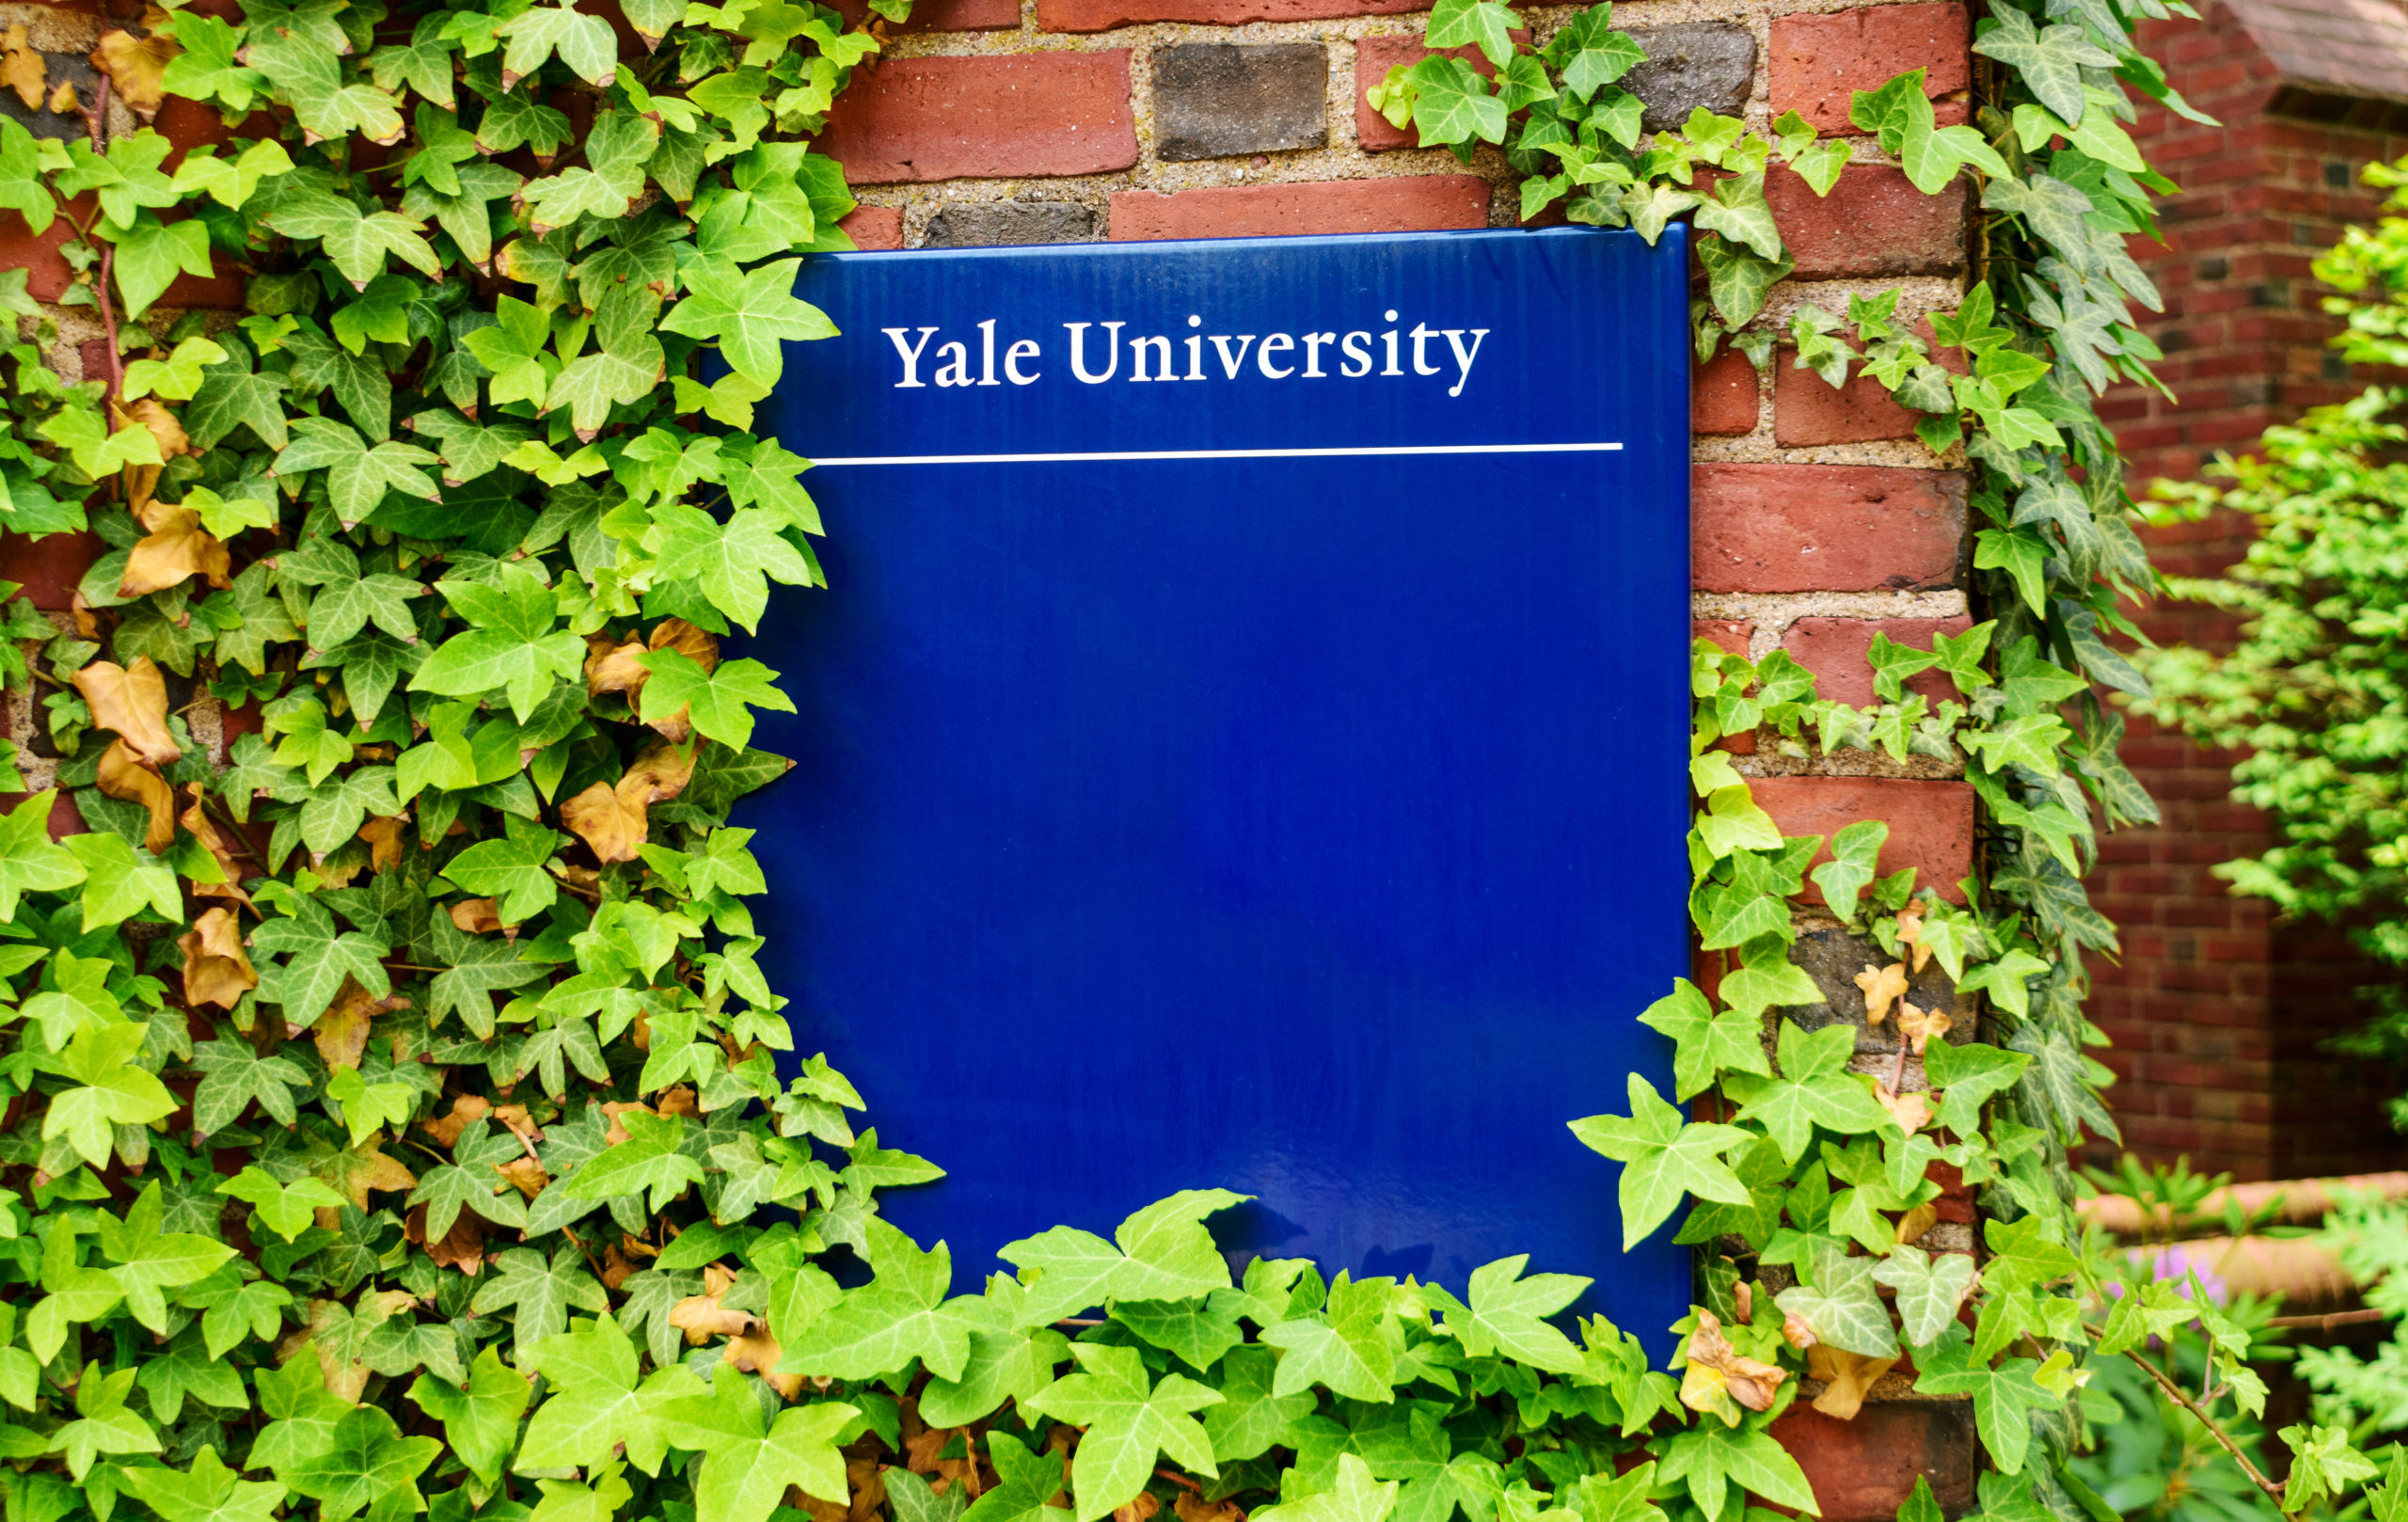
[1009,224]
[1712,64]
[1212,100]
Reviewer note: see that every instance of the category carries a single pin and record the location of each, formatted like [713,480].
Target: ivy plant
[396,1116]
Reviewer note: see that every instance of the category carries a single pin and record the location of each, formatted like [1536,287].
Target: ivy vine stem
[2273,1488]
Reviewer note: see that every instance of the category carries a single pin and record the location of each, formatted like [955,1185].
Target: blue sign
[1244,740]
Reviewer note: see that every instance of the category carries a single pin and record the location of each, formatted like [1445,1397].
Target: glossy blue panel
[1306,825]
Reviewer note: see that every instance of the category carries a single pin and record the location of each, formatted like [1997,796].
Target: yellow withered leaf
[134,65]
[216,968]
[1847,1377]
[180,548]
[132,701]
[123,776]
[1881,986]
[23,67]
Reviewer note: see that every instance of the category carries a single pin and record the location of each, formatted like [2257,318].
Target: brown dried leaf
[1795,1331]
[465,1111]
[216,969]
[1717,1371]
[1910,1111]
[1913,1225]
[679,1101]
[866,1478]
[758,1353]
[63,101]
[1190,1507]
[463,1247]
[476,915]
[365,1167]
[610,666]
[179,550]
[615,1108]
[1910,934]
[604,818]
[660,773]
[341,1031]
[1919,1027]
[195,818]
[701,1318]
[134,65]
[164,427]
[1881,985]
[132,701]
[122,776]
[383,837]
[1847,1378]
[22,67]
[1142,1507]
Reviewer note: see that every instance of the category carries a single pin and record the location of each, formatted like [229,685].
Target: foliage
[453,965]
[2366,1393]
[2317,687]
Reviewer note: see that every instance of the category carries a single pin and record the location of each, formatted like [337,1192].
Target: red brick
[1731,634]
[1834,650]
[1806,409]
[1873,222]
[920,120]
[1931,823]
[1722,395]
[1823,528]
[1863,1470]
[1819,61]
[1374,58]
[1103,15]
[49,567]
[874,227]
[1415,203]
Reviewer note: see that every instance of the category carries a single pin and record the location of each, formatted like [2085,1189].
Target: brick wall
[1819,520]
[2218,1012]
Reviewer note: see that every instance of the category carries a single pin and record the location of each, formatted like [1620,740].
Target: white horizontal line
[1223,455]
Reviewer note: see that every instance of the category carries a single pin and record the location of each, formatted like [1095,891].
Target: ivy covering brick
[396,1117]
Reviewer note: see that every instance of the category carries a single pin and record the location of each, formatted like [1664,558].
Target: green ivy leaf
[1664,1159]
[1129,1421]
[747,312]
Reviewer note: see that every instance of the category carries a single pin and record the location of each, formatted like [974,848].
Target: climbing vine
[395,1120]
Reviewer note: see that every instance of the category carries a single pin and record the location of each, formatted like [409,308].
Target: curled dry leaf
[463,1247]
[132,701]
[758,1353]
[134,65]
[1847,1377]
[477,917]
[341,1031]
[465,1111]
[679,1100]
[1881,986]
[1795,1331]
[123,776]
[1719,1372]
[1910,935]
[610,665]
[865,1477]
[204,829]
[216,969]
[526,1175]
[163,425]
[370,1169]
[23,67]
